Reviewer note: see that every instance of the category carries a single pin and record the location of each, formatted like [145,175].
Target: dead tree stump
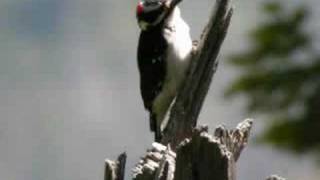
[187,152]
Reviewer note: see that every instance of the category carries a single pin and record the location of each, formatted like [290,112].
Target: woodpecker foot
[152,122]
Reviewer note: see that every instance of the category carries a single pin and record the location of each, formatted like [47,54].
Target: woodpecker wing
[152,65]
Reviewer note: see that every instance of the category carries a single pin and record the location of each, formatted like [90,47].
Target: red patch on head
[139,8]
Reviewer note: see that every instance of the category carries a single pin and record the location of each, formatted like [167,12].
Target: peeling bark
[115,170]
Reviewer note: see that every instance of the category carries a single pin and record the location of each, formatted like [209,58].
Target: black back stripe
[152,64]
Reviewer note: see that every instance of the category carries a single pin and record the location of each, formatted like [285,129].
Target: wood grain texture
[115,170]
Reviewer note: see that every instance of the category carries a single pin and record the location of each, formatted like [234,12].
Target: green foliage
[281,78]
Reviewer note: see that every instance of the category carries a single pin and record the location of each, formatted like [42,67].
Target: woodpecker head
[151,13]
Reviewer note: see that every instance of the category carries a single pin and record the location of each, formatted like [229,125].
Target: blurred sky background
[69,89]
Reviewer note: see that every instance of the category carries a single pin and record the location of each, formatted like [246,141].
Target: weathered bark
[158,164]
[235,140]
[200,157]
[115,170]
[203,157]
[185,110]
[275,177]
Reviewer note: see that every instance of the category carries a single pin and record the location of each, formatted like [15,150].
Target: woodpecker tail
[153,122]
[154,128]
[158,135]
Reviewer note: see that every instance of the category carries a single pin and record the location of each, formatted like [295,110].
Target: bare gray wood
[203,157]
[275,177]
[235,140]
[157,164]
[200,157]
[115,170]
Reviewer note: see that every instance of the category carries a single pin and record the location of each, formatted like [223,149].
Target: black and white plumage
[164,52]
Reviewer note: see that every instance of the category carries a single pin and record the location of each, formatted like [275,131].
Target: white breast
[177,35]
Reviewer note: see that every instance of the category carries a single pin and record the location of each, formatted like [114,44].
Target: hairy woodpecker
[164,52]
